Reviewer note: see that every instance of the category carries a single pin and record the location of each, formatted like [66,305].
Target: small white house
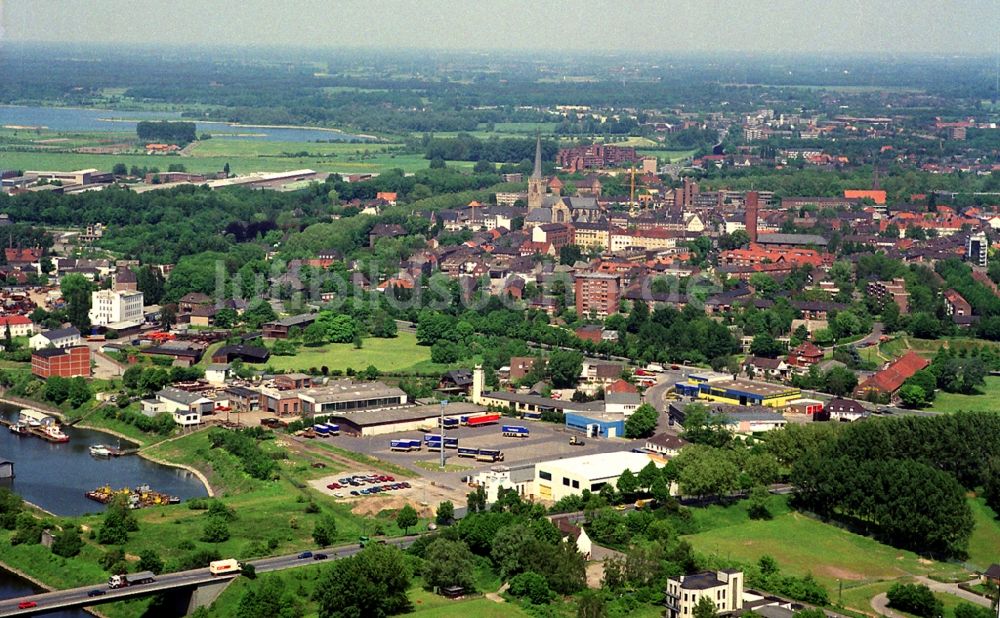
[58,338]
[187,408]
[217,373]
[20,326]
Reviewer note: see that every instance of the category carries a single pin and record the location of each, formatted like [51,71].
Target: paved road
[79,597]
[880,602]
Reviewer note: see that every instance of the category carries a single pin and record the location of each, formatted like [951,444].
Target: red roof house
[888,380]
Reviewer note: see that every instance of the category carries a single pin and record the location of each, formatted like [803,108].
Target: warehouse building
[725,389]
[554,480]
[738,419]
[406,418]
[343,396]
[597,424]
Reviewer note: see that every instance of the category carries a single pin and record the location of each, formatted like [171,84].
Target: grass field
[929,347]
[984,546]
[988,399]
[803,545]
[665,155]
[397,354]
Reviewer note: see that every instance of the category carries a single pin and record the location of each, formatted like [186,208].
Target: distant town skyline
[777,26]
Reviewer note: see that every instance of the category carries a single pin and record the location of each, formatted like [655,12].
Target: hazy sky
[835,26]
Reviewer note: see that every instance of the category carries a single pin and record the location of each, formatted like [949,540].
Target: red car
[26,605]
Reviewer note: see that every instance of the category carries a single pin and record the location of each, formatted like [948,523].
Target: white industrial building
[559,478]
[116,307]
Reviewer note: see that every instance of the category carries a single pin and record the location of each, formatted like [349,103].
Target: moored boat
[20,429]
[53,433]
[99,450]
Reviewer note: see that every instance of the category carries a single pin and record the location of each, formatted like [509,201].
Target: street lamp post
[444,402]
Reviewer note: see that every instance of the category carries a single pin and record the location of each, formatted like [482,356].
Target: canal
[55,477]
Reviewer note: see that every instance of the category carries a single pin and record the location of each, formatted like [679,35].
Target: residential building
[186,407]
[57,338]
[976,249]
[66,362]
[115,307]
[575,534]
[595,156]
[622,403]
[279,328]
[894,291]
[665,444]
[888,381]
[20,326]
[217,373]
[804,355]
[724,588]
[955,304]
[597,294]
[844,410]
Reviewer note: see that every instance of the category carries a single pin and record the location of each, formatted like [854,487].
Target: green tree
[314,335]
[704,608]
[912,396]
[149,560]
[840,381]
[325,532]
[67,542]
[627,483]
[565,367]
[76,291]
[445,513]
[57,389]
[117,523]
[406,518]
[642,422]
[371,583]
[271,596]
[216,530]
[591,604]
[757,509]
[916,599]
[530,586]
[449,563]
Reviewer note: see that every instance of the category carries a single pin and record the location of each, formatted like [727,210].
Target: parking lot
[546,441]
[421,493]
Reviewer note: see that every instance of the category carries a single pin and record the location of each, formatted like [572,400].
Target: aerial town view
[449,309]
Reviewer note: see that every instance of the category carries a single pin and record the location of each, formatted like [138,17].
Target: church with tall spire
[546,204]
[536,183]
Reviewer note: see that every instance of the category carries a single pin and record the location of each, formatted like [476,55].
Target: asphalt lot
[547,441]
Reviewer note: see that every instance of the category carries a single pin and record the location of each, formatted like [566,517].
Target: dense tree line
[166,132]
[902,479]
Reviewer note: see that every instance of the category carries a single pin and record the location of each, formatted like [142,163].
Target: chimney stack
[750,201]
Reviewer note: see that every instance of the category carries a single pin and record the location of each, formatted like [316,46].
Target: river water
[99,120]
[55,477]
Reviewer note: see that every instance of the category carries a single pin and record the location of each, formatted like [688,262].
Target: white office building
[108,307]
[559,478]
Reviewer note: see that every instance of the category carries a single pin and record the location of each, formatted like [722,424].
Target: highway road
[80,597]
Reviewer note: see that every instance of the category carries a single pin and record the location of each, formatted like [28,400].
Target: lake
[98,120]
[55,476]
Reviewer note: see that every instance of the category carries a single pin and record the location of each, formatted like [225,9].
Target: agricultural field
[397,354]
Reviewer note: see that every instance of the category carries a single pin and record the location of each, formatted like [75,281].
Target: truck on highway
[514,431]
[229,566]
[131,579]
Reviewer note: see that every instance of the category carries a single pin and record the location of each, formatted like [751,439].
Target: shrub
[531,586]
[215,531]
[916,599]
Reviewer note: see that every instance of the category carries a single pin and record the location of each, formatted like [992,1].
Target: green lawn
[396,354]
[988,399]
[667,155]
[803,545]
[984,546]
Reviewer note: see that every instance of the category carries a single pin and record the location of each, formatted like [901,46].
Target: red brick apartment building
[598,293]
[65,362]
[595,156]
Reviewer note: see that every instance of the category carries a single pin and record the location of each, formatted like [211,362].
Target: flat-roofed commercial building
[344,396]
[559,478]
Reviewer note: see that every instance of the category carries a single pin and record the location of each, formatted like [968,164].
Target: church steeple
[536,184]
[538,158]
